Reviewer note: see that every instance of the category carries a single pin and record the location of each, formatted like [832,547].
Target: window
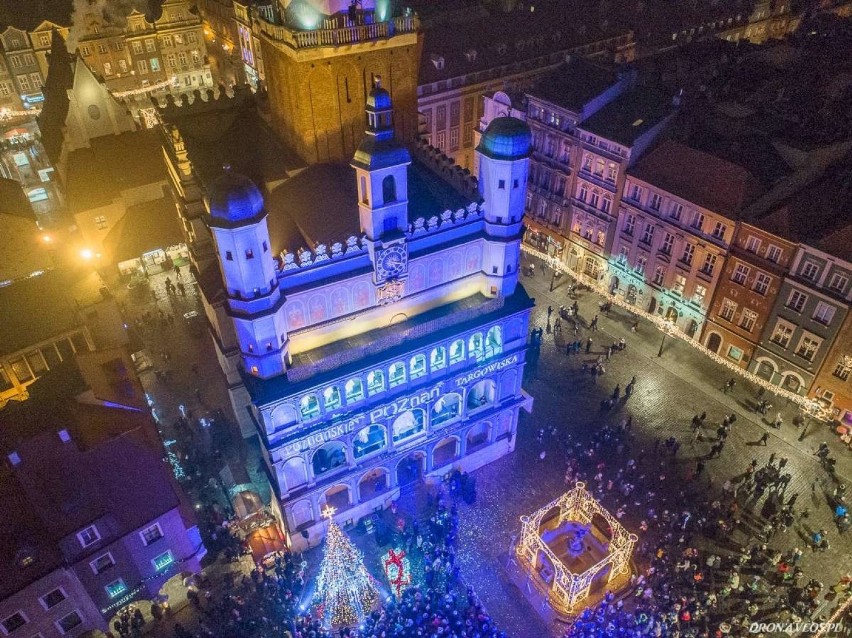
[501,184]
[748,319]
[709,264]
[150,45]
[116,588]
[35,79]
[606,206]
[659,275]
[629,224]
[735,353]
[191,38]
[249,253]
[13,622]
[797,300]
[155,64]
[635,192]
[668,242]
[611,172]
[454,138]
[369,439]
[446,408]
[599,167]
[676,211]
[752,244]
[375,382]
[107,68]
[100,222]
[53,598]
[455,113]
[719,230]
[5,89]
[167,40]
[408,424]
[761,283]
[773,253]
[122,66]
[182,58]
[163,560]
[89,536]
[656,201]
[195,56]
[679,284]
[142,66]
[641,262]
[441,117]
[807,347]
[16,61]
[583,193]
[417,366]
[441,140]
[697,220]
[102,563]
[229,256]
[595,199]
[171,60]
[24,82]
[824,313]
[782,334]
[648,235]
[810,270]
[728,309]
[102,48]
[137,47]
[354,390]
[842,369]
[838,282]
[699,294]
[457,351]
[688,254]
[331,397]
[69,622]
[475,346]
[309,406]
[740,274]
[178,38]
[438,358]
[153,533]
[396,374]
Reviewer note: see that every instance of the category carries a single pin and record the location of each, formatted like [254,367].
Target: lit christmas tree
[346,592]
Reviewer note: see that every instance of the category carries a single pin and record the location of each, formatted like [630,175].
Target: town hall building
[392,348]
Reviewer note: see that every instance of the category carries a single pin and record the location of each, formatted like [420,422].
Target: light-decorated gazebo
[567,576]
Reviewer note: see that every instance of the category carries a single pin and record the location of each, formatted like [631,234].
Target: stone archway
[411,469]
[445,452]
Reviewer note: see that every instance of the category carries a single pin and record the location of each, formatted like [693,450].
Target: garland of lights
[397,570]
[810,405]
[346,592]
[171,82]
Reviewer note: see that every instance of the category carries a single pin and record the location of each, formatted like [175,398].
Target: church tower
[502,160]
[238,223]
[320,59]
[381,170]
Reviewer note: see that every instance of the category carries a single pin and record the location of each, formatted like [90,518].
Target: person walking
[763,438]
[588,345]
[594,324]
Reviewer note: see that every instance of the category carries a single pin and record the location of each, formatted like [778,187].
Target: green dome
[506,138]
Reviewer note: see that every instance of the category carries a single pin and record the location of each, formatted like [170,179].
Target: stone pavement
[669,391]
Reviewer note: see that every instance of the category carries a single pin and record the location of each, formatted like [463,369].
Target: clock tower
[381,170]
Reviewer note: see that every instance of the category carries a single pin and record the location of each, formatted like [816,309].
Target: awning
[144,227]
[266,540]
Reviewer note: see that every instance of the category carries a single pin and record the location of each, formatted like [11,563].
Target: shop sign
[486,370]
[320,437]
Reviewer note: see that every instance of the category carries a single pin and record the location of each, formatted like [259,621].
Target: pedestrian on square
[549,312]
[764,438]
[594,324]
[588,345]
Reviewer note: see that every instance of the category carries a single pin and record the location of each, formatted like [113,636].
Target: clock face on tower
[391,262]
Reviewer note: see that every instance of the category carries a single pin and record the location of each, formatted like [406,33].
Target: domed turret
[379,99]
[506,138]
[233,198]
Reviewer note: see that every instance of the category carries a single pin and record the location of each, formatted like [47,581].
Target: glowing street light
[87,254]
[46,238]
[668,328]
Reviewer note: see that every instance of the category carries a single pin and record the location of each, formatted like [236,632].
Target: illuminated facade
[375,361]
[671,245]
[567,577]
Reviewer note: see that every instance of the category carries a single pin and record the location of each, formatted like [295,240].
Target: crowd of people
[709,563]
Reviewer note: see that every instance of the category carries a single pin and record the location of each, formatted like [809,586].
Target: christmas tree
[346,592]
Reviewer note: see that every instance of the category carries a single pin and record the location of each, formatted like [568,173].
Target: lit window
[396,374]
[748,320]
[369,439]
[843,368]
[659,275]
[699,294]
[728,309]
[163,560]
[824,313]
[309,406]
[782,334]
[438,358]
[446,408]
[417,366]
[116,588]
[808,347]
[331,397]
[354,390]
[375,382]
[494,341]
[408,424]
[475,347]
[457,351]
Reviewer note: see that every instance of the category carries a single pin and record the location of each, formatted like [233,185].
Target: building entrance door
[410,469]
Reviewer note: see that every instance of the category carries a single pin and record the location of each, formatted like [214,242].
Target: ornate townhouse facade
[670,245]
[746,292]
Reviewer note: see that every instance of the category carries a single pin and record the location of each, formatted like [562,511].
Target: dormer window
[438,61]
[470,55]
[89,536]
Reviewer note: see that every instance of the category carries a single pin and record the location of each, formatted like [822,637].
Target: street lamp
[668,327]
[811,408]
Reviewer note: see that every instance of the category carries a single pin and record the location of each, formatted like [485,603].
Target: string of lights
[397,569]
[664,325]
[171,82]
[7,114]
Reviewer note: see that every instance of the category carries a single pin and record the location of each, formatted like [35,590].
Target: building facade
[832,386]
[746,293]
[810,309]
[386,359]
[22,65]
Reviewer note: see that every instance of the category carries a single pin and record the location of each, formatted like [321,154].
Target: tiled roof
[574,84]
[700,178]
[631,115]
[143,228]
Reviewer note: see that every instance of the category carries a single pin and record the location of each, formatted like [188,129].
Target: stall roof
[144,227]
